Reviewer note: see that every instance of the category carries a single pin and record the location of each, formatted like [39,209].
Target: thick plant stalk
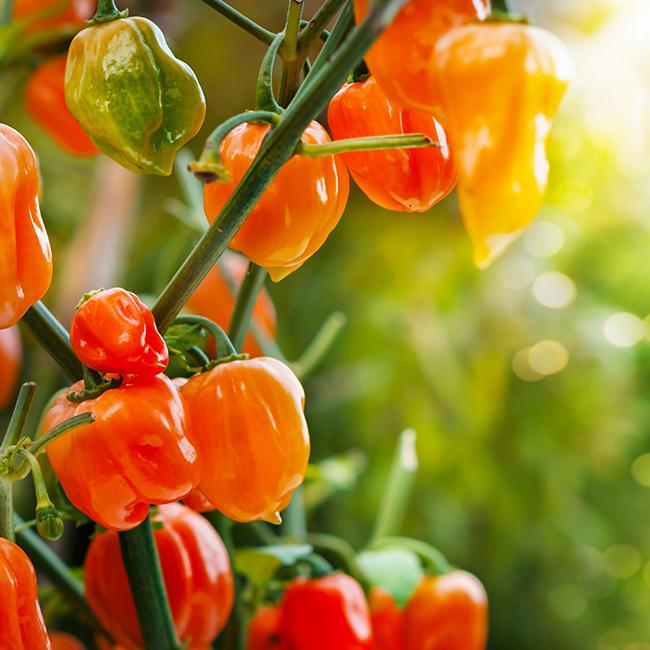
[246,297]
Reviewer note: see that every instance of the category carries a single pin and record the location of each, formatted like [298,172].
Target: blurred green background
[527,384]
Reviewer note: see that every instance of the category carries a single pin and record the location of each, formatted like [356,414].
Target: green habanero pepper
[137,102]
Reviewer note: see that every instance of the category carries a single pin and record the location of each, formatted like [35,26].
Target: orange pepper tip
[279,273]
[274,518]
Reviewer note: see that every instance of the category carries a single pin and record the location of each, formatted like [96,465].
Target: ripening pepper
[502,85]
[21,620]
[402,59]
[138,103]
[25,254]
[264,630]
[136,453]
[62,641]
[247,420]
[196,571]
[114,331]
[325,613]
[447,612]
[296,213]
[46,104]
[54,13]
[10,358]
[406,180]
[387,621]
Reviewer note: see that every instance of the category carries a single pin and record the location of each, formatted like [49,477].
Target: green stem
[248,25]
[372,143]
[60,429]
[335,547]
[49,522]
[320,345]
[19,416]
[246,298]
[502,5]
[289,47]
[7,509]
[223,344]
[107,11]
[295,516]
[264,96]
[7,12]
[315,27]
[140,557]
[435,562]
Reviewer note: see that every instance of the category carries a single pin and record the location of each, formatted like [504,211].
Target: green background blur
[527,384]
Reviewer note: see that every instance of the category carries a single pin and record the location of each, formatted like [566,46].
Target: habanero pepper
[196,571]
[296,213]
[136,453]
[264,630]
[114,331]
[62,641]
[25,253]
[406,180]
[10,359]
[387,621]
[53,13]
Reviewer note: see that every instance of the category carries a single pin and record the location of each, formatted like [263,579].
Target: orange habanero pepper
[264,631]
[136,453]
[196,571]
[447,612]
[298,210]
[54,13]
[387,621]
[10,358]
[247,420]
[402,59]
[25,254]
[406,180]
[21,620]
[62,641]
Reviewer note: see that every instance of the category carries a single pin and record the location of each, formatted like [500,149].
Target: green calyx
[106,12]
[49,523]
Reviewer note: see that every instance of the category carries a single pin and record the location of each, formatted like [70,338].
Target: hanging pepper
[406,180]
[136,453]
[502,85]
[137,102]
[297,212]
[264,630]
[387,621]
[62,641]
[247,421]
[114,331]
[53,13]
[25,254]
[196,571]
[10,358]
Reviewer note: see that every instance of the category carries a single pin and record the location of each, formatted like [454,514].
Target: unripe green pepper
[137,102]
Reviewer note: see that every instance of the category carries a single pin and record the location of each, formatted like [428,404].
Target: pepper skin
[196,571]
[402,59]
[296,213]
[55,12]
[405,180]
[247,421]
[46,104]
[326,613]
[114,331]
[21,620]
[25,254]
[137,102]
[136,453]
[214,300]
[502,84]
[387,621]
[264,631]
[10,358]
[447,612]
[62,641]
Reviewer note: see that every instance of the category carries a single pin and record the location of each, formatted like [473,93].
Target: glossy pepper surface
[21,620]
[447,612]
[215,300]
[326,613]
[10,359]
[137,102]
[296,213]
[406,180]
[196,571]
[25,254]
[264,630]
[136,453]
[247,420]
[114,331]
[402,59]
[54,13]
[387,621]
[62,641]
[46,103]
[502,84]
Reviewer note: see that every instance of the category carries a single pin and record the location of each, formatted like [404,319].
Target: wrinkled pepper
[387,621]
[264,630]
[10,359]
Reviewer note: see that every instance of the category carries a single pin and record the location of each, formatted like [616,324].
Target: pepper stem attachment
[246,297]
[106,12]
[94,385]
[19,416]
[372,143]
[265,97]
[225,350]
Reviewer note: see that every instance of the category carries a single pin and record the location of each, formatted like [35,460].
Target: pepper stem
[6,509]
[60,429]
[502,6]
[372,143]
[107,11]
[265,97]
[19,416]
[224,347]
[246,297]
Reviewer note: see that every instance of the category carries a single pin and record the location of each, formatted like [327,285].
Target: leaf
[259,565]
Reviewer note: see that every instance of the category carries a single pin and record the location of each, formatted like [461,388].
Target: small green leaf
[259,565]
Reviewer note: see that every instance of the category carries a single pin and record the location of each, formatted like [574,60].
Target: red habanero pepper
[406,180]
[114,331]
[136,453]
[54,13]
[25,254]
[46,104]
[447,612]
[10,358]
[296,213]
[196,571]
[264,631]
[21,620]
[62,641]
[387,621]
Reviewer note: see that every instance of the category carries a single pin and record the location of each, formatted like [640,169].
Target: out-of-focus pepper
[387,621]
[447,612]
[406,180]
[46,104]
[25,254]
[247,420]
[264,631]
[196,571]
[215,300]
[502,85]
[136,453]
[137,102]
[62,641]
[326,613]
[21,620]
[54,13]
[402,59]
[298,210]
[114,331]
[10,358]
